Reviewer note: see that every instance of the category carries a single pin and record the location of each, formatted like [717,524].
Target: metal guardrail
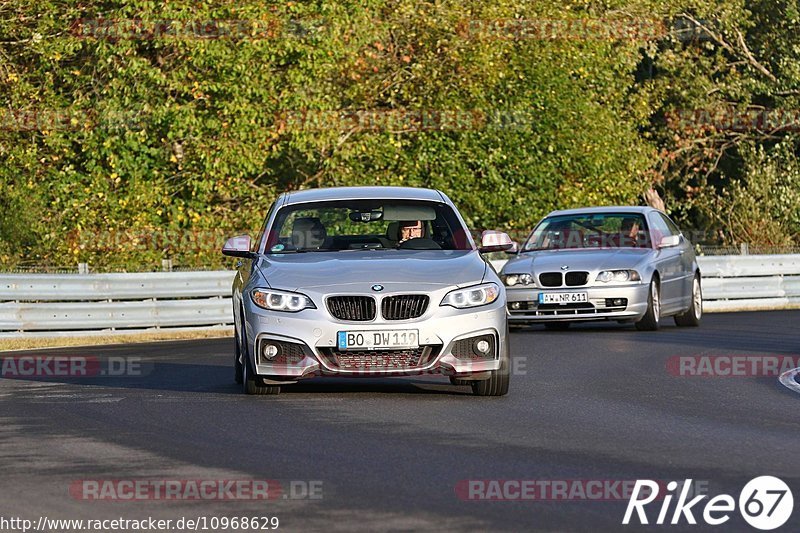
[758,282]
[746,249]
[77,287]
[115,303]
[81,304]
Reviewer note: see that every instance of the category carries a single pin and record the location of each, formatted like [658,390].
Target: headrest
[569,238]
[629,222]
[393,231]
[308,233]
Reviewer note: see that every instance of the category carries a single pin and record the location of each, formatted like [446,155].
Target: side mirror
[238,247]
[669,241]
[514,248]
[495,241]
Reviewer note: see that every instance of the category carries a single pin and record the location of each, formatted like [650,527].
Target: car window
[335,220]
[596,230]
[673,228]
[366,224]
[660,227]
[257,242]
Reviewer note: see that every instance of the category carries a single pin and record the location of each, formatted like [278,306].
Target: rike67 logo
[765,503]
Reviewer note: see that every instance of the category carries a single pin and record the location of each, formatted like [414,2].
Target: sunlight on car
[629,264]
[373,281]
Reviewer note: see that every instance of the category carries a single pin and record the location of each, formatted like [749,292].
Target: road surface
[597,402]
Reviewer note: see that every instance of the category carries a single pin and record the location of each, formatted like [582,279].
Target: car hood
[422,269]
[579,259]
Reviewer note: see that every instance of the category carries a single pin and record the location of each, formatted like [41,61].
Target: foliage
[729,94]
[138,149]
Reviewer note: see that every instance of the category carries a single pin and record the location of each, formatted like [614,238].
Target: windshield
[366,225]
[602,230]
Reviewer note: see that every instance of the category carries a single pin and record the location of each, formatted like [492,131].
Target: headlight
[472,296]
[621,276]
[512,280]
[290,302]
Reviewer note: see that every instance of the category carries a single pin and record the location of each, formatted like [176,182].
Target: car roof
[605,209]
[362,193]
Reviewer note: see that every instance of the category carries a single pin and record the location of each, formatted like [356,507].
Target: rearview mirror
[495,241]
[365,216]
[238,247]
[669,241]
[514,248]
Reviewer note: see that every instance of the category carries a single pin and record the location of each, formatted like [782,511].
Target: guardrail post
[745,249]
[166,265]
[83,268]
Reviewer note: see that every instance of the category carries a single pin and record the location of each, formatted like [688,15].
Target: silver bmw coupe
[368,281]
[630,264]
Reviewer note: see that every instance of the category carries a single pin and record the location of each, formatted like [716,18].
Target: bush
[122,151]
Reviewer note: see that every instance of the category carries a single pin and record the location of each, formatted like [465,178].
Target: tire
[691,318]
[252,384]
[237,357]
[497,384]
[557,326]
[651,318]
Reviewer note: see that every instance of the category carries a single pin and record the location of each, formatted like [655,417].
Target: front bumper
[523,304]
[313,334]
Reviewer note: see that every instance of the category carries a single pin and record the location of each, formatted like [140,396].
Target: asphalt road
[592,403]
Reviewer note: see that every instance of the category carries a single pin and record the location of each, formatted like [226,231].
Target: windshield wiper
[547,248]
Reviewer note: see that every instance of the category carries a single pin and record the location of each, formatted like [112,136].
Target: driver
[629,231]
[410,230]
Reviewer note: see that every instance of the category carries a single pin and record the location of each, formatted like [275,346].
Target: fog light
[482,346]
[270,351]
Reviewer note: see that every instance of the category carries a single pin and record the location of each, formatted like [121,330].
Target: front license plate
[563,297]
[378,340]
